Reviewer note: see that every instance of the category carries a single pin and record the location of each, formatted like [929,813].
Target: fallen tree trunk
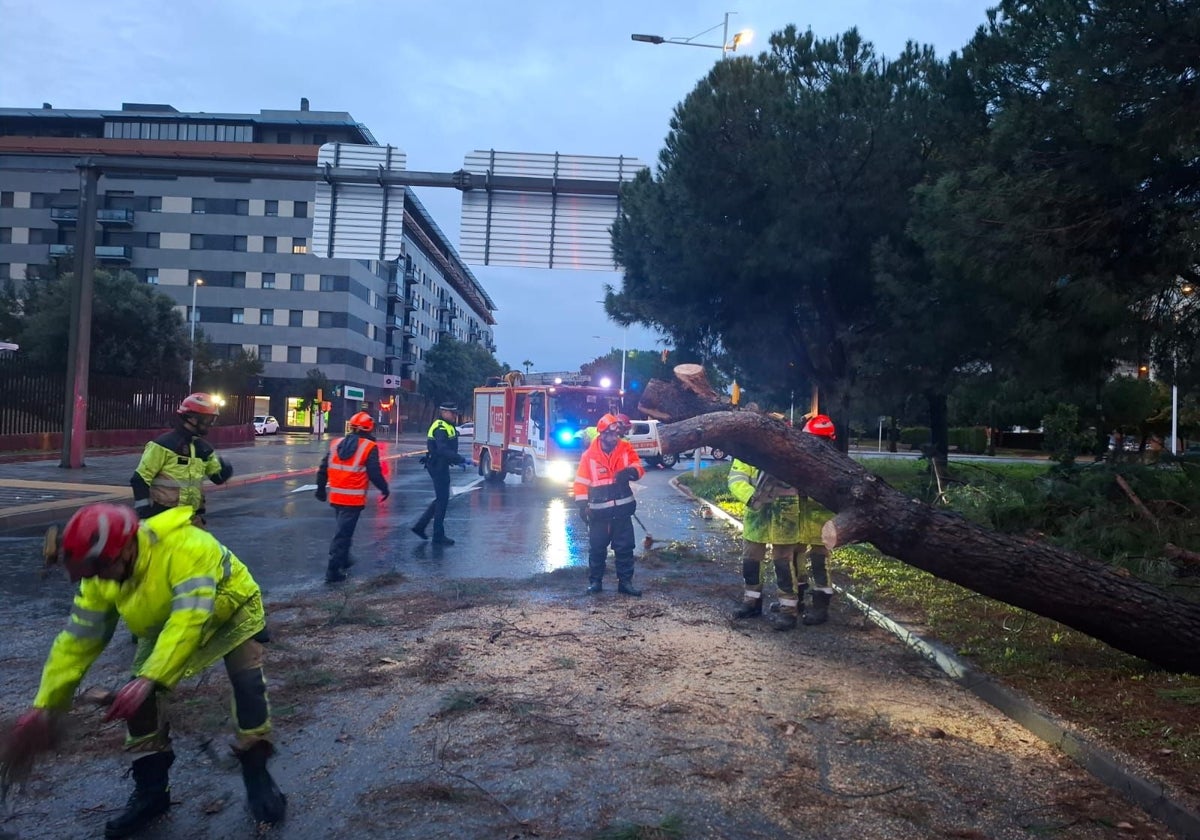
[1126,613]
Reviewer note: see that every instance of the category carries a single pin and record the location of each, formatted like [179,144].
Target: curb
[1149,795]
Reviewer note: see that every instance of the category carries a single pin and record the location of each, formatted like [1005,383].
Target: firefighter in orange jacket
[342,479]
[607,505]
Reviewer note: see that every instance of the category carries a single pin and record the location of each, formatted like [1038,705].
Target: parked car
[467,430]
[265,424]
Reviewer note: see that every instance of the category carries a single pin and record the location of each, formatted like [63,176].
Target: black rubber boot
[595,587]
[819,613]
[267,803]
[150,799]
[750,608]
[784,620]
[626,587]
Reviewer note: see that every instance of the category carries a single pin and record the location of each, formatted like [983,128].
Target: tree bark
[1126,613]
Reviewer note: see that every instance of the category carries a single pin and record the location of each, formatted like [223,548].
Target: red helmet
[94,537]
[198,403]
[821,426]
[362,421]
[606,422]
[625,423]
[197,413]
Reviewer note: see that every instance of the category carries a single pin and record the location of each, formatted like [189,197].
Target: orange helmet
[606,422]
[362,421]
[821,426]
[625,423]
[94,537]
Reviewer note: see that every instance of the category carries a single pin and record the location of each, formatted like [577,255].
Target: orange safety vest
[348,479]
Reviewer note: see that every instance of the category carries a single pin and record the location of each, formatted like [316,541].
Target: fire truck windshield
[573,411]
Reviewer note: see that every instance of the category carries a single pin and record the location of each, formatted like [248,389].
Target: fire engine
[536,431]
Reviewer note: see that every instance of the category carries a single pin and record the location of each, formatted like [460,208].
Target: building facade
[239,246]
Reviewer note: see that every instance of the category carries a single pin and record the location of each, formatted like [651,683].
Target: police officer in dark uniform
[442,445]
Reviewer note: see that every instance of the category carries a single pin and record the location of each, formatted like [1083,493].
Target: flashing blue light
[565,437]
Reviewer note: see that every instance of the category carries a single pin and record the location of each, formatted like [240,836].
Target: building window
[152,240]
[299,245]
[239,280]
[237,316]
[239,243]
[266,317]
[271,208]
[294,355]
[155,204]
[152,277]
[5,236]
[300,209]
[198,205]
[5,271]
[297,282]
[269,245]
[283,137]
[268,280]
[264,352]
[295,317]
[197,241]
[328,283]
[320,139]
[241,207]
[6,198]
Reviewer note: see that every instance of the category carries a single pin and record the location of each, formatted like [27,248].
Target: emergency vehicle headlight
[560,471]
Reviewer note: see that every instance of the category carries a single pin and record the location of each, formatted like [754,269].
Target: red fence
[33,405]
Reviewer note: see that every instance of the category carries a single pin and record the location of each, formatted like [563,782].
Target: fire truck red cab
[536,431]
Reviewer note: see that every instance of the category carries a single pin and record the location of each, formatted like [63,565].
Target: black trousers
[339,547]
[440,473]
[617,532]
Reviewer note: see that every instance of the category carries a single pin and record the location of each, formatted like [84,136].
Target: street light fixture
[624,356]
[726,46]
[192,317]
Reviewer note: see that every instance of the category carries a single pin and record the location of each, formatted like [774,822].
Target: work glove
[629,474]
[33,733]
[585,513]
[226,470]
[383,497]
[130,698]
[424,461]
[321,494]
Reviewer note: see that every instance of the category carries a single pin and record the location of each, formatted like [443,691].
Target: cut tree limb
[1131,615]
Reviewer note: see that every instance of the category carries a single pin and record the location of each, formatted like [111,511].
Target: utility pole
[79,337]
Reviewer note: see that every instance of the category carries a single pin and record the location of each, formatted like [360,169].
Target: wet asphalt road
[505,530]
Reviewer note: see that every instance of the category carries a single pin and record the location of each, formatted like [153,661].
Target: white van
[643,436]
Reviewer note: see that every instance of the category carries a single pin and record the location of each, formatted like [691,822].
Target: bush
[915,435]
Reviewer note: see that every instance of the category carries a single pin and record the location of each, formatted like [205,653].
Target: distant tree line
[974,239]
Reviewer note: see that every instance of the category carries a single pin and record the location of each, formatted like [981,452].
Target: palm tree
[527,365]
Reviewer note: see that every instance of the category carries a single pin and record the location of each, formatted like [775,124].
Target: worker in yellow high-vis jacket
[190,602]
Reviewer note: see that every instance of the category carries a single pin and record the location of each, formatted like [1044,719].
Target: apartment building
[239,246]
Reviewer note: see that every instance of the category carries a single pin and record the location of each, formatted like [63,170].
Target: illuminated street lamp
[192,317]
[726,46]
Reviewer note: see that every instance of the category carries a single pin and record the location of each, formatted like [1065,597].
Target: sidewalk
[37,492]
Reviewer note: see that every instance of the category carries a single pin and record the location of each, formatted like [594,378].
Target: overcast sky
[438,80]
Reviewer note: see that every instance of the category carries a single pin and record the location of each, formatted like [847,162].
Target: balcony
[104,253]
[410,303]
[394,322]
[410,275]
[393,292]
[392,351]
[68,216]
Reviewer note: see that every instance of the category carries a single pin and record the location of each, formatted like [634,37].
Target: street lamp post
[726,46]
[192,317]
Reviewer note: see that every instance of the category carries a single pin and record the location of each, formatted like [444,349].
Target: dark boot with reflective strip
[267,803]
[752,606]
[819,613]
[151,795]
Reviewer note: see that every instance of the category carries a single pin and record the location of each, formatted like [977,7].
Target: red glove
[32,729]
[130,698]
[33,733]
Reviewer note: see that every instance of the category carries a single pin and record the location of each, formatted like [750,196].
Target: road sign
[390,381]
[353,393]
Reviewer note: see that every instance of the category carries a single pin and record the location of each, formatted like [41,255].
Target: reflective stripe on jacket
[441,441]
[778,522]
[348,476]
[188,593]
[596,479]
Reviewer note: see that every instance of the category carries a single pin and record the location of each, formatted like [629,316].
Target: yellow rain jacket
[189,597]
[778,522]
